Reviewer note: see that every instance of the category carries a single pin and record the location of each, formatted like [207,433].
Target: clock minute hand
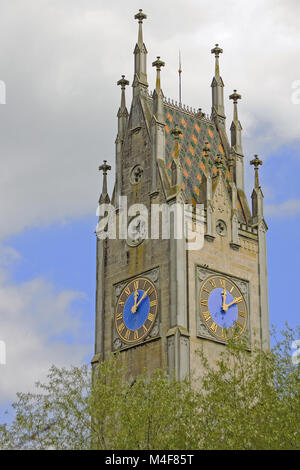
[224,295]
[134,307]
[143,296]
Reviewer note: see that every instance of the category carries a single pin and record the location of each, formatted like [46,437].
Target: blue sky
[59,124]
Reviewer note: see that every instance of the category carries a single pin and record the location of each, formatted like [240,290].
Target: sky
[59,64]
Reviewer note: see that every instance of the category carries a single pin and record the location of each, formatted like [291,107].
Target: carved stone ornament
[136,174]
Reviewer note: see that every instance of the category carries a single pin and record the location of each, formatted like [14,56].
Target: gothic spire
[256,162]
[140,54]
[122,113]
[257,195]
[217,86]
[104,198]
[158,96]
[236,128]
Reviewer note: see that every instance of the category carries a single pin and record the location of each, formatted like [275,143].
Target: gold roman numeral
[119,316]
[213,283]
[206,290]
[136,285]
[206,316]
[153,303]
[242,314]
[214,327]
[127,334]
[204,302]
[121,327]
[136,334]
[238,300]
[127,290]
[223,283]
[151,317]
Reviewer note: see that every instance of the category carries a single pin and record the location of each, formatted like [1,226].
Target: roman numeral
[136,334]
[119,316]
[151,317]
[153,303]
[238,300]
[214,327]
[136,285]
[121,327]
[213,283]
[204,302]
[121,302]
[223,283]
[127,290]
[206,290]
[239,325]
[206,316]
[127,334]
[242,314]
[144,327]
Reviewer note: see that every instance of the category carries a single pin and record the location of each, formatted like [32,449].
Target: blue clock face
[136,310]
[134,320]
[223,307]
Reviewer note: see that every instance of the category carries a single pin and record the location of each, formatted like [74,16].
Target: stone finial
[256,162]
[140,16]
[104,195]
[123,82]
[235,97]
[217,51]
[158,63]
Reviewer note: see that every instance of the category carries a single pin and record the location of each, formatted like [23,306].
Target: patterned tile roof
[195,131]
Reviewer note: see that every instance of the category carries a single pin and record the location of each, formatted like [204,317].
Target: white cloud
[40,327]
[61,60]
[290,208]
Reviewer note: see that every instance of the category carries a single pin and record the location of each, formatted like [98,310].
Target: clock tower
[160,296]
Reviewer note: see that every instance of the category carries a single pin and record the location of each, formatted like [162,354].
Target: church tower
[161,295]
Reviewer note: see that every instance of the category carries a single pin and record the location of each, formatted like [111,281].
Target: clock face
[137,231]
[136,310]
[223,307]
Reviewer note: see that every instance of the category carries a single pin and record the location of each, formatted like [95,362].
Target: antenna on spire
[179,73]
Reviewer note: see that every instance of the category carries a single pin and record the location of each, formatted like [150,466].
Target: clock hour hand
[235,301]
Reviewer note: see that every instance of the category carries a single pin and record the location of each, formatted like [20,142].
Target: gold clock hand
[224,295]
[134,307]
[143,296]
[235,301]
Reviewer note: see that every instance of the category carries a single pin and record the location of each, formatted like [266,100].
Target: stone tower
[159,297]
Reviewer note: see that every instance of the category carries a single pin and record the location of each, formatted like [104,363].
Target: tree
[246,400]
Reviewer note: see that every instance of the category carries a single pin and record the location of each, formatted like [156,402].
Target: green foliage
[245,400]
